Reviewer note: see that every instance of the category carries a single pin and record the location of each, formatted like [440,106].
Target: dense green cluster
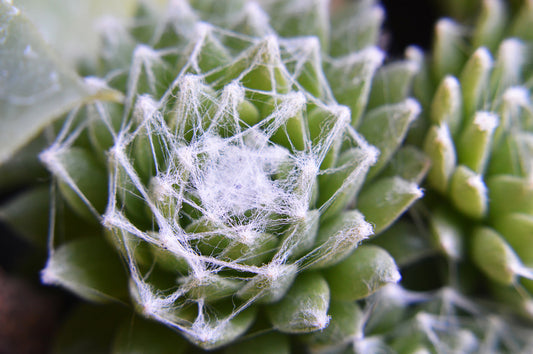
[224,167]
[236,166]
[480,141]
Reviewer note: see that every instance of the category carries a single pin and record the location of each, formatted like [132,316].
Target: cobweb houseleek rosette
[230,180]
[476,88]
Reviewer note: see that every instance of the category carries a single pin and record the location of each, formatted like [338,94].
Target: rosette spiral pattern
[239,171]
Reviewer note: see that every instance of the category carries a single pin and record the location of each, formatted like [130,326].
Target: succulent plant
[480,142]
[223,163]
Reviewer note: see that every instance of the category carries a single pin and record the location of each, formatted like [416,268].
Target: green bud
[490,24]
[440,149]
[494,256]
[448,54]
[474,145]
[468,192]
[446,106]
[474,80]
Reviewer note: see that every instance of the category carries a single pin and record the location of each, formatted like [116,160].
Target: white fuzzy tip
[483,57]
[486,121]
[517,95]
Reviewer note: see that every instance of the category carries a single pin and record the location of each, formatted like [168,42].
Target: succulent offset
[236,165]
[480,142]
[474,227]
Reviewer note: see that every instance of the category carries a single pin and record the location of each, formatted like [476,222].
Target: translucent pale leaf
[35,87]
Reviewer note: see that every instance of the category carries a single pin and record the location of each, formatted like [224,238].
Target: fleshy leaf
[28,215]
[517,229]
[35,88]
[304,308]
[347,322]
[404,242]
[440,149]
[490,25]
[446,105]
[473,147]
[509,194]
[338,237]
[468,192]
[494,256]
[89,268]
[474,79]
[383,201]
[447,234]
[386,127]
[448,53]
[409,163]
[392,83]
[367,269]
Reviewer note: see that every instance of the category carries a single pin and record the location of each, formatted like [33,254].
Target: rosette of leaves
[227,174]
[476,90]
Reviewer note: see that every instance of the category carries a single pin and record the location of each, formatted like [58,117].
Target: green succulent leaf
[408,163]
[448,54]
[509,194]
[347,321]
[447,233]
[474,144]
[28,214]
[474,78]
[392,83]
[468,192]
[37,88]
[90,268]
[440,149]
[365,271]
[385,199]
[494,256]
[517,229]
[490,24]
[386,127]
[446,106]
[304,308]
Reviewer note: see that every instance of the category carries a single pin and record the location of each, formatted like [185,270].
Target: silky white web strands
[242,183]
